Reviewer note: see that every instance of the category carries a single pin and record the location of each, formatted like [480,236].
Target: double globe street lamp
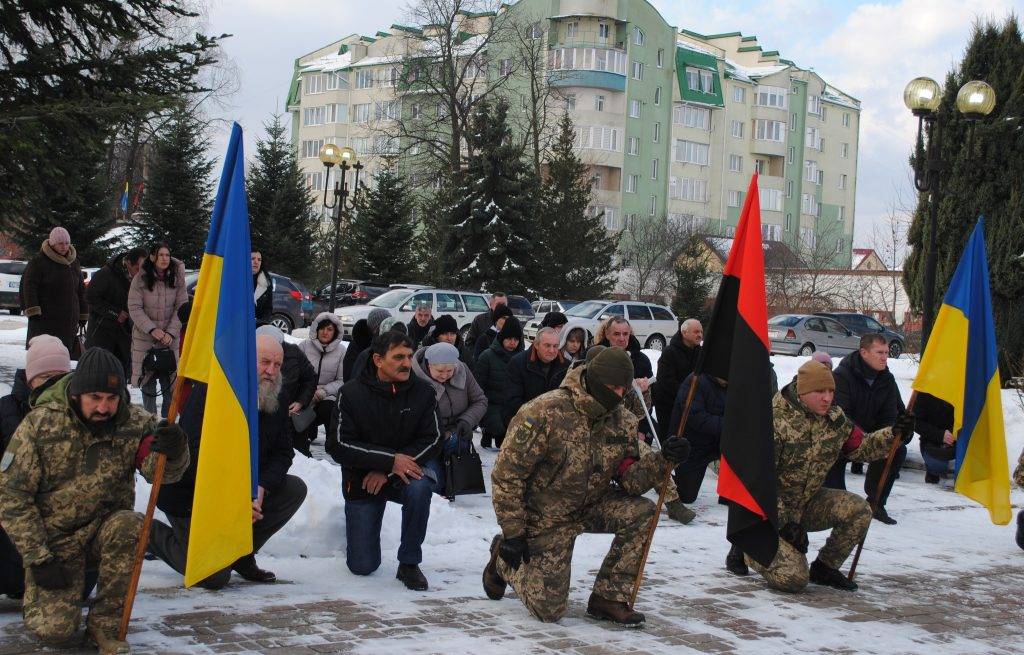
[344,158]
[923,95]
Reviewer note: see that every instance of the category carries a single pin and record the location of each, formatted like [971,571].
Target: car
[803,334]
[464,306]
[288,299]
[860,325]
[10,283]
[542,307]
[351,292]
[87,274]
[521,308]
[653,325]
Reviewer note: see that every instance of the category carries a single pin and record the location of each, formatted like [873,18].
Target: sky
[868,49]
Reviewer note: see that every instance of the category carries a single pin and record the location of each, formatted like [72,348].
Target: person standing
[534,372]
[53,292]
[501,313]
[109,324]
[491,372]
[572,342]
[675,364]
[262,288]
[446,330]
[326,353]
[483,321]
[420,325]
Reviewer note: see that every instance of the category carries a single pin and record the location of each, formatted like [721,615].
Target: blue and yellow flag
[220,350]
[124,198]
[960,367]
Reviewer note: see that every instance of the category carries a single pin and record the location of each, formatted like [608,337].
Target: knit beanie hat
[499,311]
[511,329]
[98,370]
[442,353]
[392,323]
[59,235]
[812,376]
[611,366]
[594,351]
[554,319]
[445,324]
[375,318]
[271,331]
[46,353]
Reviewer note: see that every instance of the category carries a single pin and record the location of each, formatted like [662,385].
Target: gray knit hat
[375,318]
[98,370]
[442,353]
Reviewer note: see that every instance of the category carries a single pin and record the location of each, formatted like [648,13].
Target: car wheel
[464,332]
[806,350]
[282,322]
[895,349]
[655,342]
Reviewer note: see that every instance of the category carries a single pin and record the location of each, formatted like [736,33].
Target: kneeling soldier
[570,464]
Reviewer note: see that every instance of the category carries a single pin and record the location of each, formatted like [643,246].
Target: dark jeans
[937,458]
[170,542]
[326,414]
[489,438]
[690,474]
[363,520]
[12,572]
[836,476]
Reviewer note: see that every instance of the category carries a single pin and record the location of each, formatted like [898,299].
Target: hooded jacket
[53,296]
[460,399]
[563,337]
[327,360]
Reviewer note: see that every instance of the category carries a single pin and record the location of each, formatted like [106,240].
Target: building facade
[671,122]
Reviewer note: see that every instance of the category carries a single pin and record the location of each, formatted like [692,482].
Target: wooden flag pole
[140,548]
[896,442]
[661,495]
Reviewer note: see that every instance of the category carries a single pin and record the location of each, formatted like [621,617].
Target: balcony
[601,68]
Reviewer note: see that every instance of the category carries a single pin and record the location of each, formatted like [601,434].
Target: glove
[464,430]
[51,575]
[514,551]
[676,449]
[904,426]
[795,534]
[169,439]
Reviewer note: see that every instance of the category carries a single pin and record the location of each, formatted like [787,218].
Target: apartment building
[671,122]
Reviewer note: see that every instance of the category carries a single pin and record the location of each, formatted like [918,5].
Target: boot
[679,512]
[883,516]
[931,478]
[246,567]
[824,574]
[412,577]
[609,610]
[494,585]
[857,468]
[1020,529]
[735,563]
[107,645]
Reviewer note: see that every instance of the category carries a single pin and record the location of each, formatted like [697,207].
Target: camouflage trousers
[672,494]
[846,513]
[543,583]
[53,615]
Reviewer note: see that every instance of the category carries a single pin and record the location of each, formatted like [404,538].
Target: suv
[860,325]
[351,292]
[288,301]
[464,306]
[653,325]
[10,282]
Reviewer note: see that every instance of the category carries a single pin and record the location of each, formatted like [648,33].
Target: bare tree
[802,278]
[889,241]
[650,249]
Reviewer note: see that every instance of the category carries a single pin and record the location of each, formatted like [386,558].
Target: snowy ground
[944,558]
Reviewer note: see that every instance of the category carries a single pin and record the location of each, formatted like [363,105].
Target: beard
[267,394]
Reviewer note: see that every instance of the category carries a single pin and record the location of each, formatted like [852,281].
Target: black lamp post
[922,96]
[342,157]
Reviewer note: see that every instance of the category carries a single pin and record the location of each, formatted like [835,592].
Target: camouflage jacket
[560,455]
[632,403]
[59,480]
[807,445]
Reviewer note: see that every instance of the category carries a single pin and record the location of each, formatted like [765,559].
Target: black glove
[795,534]
[904,426]
[464,430]
[169,439]
[676,449]
[514,551]
[51,574]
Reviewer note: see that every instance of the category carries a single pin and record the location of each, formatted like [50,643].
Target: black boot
[1020,529]
[824,574]
[883,516]
[494,585]
[735,563]
[246,567]
[412,577]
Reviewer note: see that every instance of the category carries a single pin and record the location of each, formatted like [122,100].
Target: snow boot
[107,645]
[494,585]
[677,511]
[824,574]
[412,577]
[932,478]
[735,563]
[609,610]
[1020,529]
[857,468]
[883,516]
[246,567]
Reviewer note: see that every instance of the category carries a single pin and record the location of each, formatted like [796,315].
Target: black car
[288,301]
[521,308]
[351,292]
[860,325]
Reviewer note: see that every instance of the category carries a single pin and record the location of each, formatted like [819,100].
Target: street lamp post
[344,158]
[923,96]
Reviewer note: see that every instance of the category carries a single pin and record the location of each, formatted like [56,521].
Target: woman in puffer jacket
[326,352]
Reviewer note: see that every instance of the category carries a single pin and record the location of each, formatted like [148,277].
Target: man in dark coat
[500,315]
[387,432]
[703,430]
[934,425]
[618,333]
[677,362]
[484,321]
[109,325]
[419,326]
[278,497]
[298,377]
[534,372]
[53,292]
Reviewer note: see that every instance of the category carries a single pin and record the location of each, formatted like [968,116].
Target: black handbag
[463,473]
[159,360]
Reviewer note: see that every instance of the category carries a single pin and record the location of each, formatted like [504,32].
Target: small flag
[960,367]
[124,198]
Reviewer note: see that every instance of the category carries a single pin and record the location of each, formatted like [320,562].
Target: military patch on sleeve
[6,461]
[529,423]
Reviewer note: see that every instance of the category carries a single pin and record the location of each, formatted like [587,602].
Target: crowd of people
[582,425]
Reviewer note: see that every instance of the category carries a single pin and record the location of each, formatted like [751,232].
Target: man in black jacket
[677,362]
[703,430]
[420,324]
[483,322]
[278,496]
[387,434]
[109,326]
[868,395]
[534,372]
[934,425]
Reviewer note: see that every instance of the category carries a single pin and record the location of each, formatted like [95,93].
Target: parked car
[860,325]
[803,334]
[401,303]
[288,300]
[541,309]
[10,281]
[521,308]
[653,325]
[351,292]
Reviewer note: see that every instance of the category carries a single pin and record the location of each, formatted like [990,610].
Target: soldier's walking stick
[661,494]
[647,412]
[140,548]
[893,449]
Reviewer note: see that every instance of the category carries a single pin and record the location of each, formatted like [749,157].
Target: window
[638,36]
[688,188]
[314,181]
[661,57]
[314,84]
[691,152]
[361,144]
[313,116]
[638,70]
[505,67]
[823,114]
[415,111]
[417,299]
[311,148]
[386,110]
[631,181]
[736,129]
[842,181]
[602,30]
[570,102]
[821,177]
[846,119]
[654,206]
[790,154]
[610,221]
[441,109]
[739,94]
[735,198]
[809,204]
[654,169]
[657,133]
[598,137]
[844,150]
[811,171]
[536,31]
[364,79]
[361,113]
[336,81]
[771,96]
[571,29]
[760,165]
[474,303]
[707,82]
[337,113]
[598,103]
[633,146]
[789,222]
[692,79]
[814,105]
[771,200]
[736,163]
[692,116]
[813,138]
[639,313]
[766,130]
[385,145]
[657,96]
[389,77]
[771,232]
[841,215]
[789,188]
[634,109]
[447,302]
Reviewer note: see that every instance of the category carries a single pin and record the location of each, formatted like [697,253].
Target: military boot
[1020,528]
[735,563]
[609,610]
[824,574]
[679,512]
[105,644]
[494,585]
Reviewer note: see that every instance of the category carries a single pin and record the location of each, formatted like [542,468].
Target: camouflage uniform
[806,446]
[553,481]
[68,492]
[632,403]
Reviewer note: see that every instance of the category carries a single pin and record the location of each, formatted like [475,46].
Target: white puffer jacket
[327,360]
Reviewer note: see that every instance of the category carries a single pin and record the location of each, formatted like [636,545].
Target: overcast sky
[868,49]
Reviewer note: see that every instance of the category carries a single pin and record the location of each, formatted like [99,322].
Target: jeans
[363,519]
[690,474]
[936,465]
[149,394]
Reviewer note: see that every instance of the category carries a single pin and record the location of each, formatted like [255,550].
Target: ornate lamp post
[344,158]
[922,96]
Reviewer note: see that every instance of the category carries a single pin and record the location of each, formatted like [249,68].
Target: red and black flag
[737,350]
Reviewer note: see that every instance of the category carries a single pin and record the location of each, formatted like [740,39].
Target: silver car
[803,334]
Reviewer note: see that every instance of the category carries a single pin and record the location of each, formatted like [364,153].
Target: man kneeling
[570,464]
[810,433]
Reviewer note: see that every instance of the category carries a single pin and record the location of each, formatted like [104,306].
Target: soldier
[569,465]
[810,433]
[66,494]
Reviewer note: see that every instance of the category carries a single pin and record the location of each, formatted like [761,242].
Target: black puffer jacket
[641,364]
[377,420]
[13,407]
[676,362]
[299,376]
[707,412]
[491,372]
[361,339]
[527,379]
[871,406]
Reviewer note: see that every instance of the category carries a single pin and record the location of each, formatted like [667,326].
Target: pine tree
[577,253]
[382,230]
[282,221]
[694,282]
[177,201]
[492,232]
[431,245]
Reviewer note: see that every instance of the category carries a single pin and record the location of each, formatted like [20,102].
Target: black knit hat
[499,311]
[511,329]
[553,319]
[98,370]
[445,324]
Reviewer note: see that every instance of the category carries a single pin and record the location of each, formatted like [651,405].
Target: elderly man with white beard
[278,497]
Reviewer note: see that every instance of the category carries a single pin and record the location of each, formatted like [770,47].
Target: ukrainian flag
[124,198]
[960,366]
[220,350]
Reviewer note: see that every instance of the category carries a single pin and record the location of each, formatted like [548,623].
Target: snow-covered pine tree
[382,230]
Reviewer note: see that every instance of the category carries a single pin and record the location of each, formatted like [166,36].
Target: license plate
[774,334]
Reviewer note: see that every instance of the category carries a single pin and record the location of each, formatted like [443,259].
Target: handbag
[159,360]
[301,420]
[463,473]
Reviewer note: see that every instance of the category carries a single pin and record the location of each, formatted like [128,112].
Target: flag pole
[896,442]
[661,494]
[140,548]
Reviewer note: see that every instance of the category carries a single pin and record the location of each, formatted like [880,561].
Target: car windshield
[569,304]
[588,309]
[787,321]
[520,306]
[391,299]
[12,268]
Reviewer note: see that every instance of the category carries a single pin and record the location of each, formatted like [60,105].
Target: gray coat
[151,309]
[327,360]
[458,399]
